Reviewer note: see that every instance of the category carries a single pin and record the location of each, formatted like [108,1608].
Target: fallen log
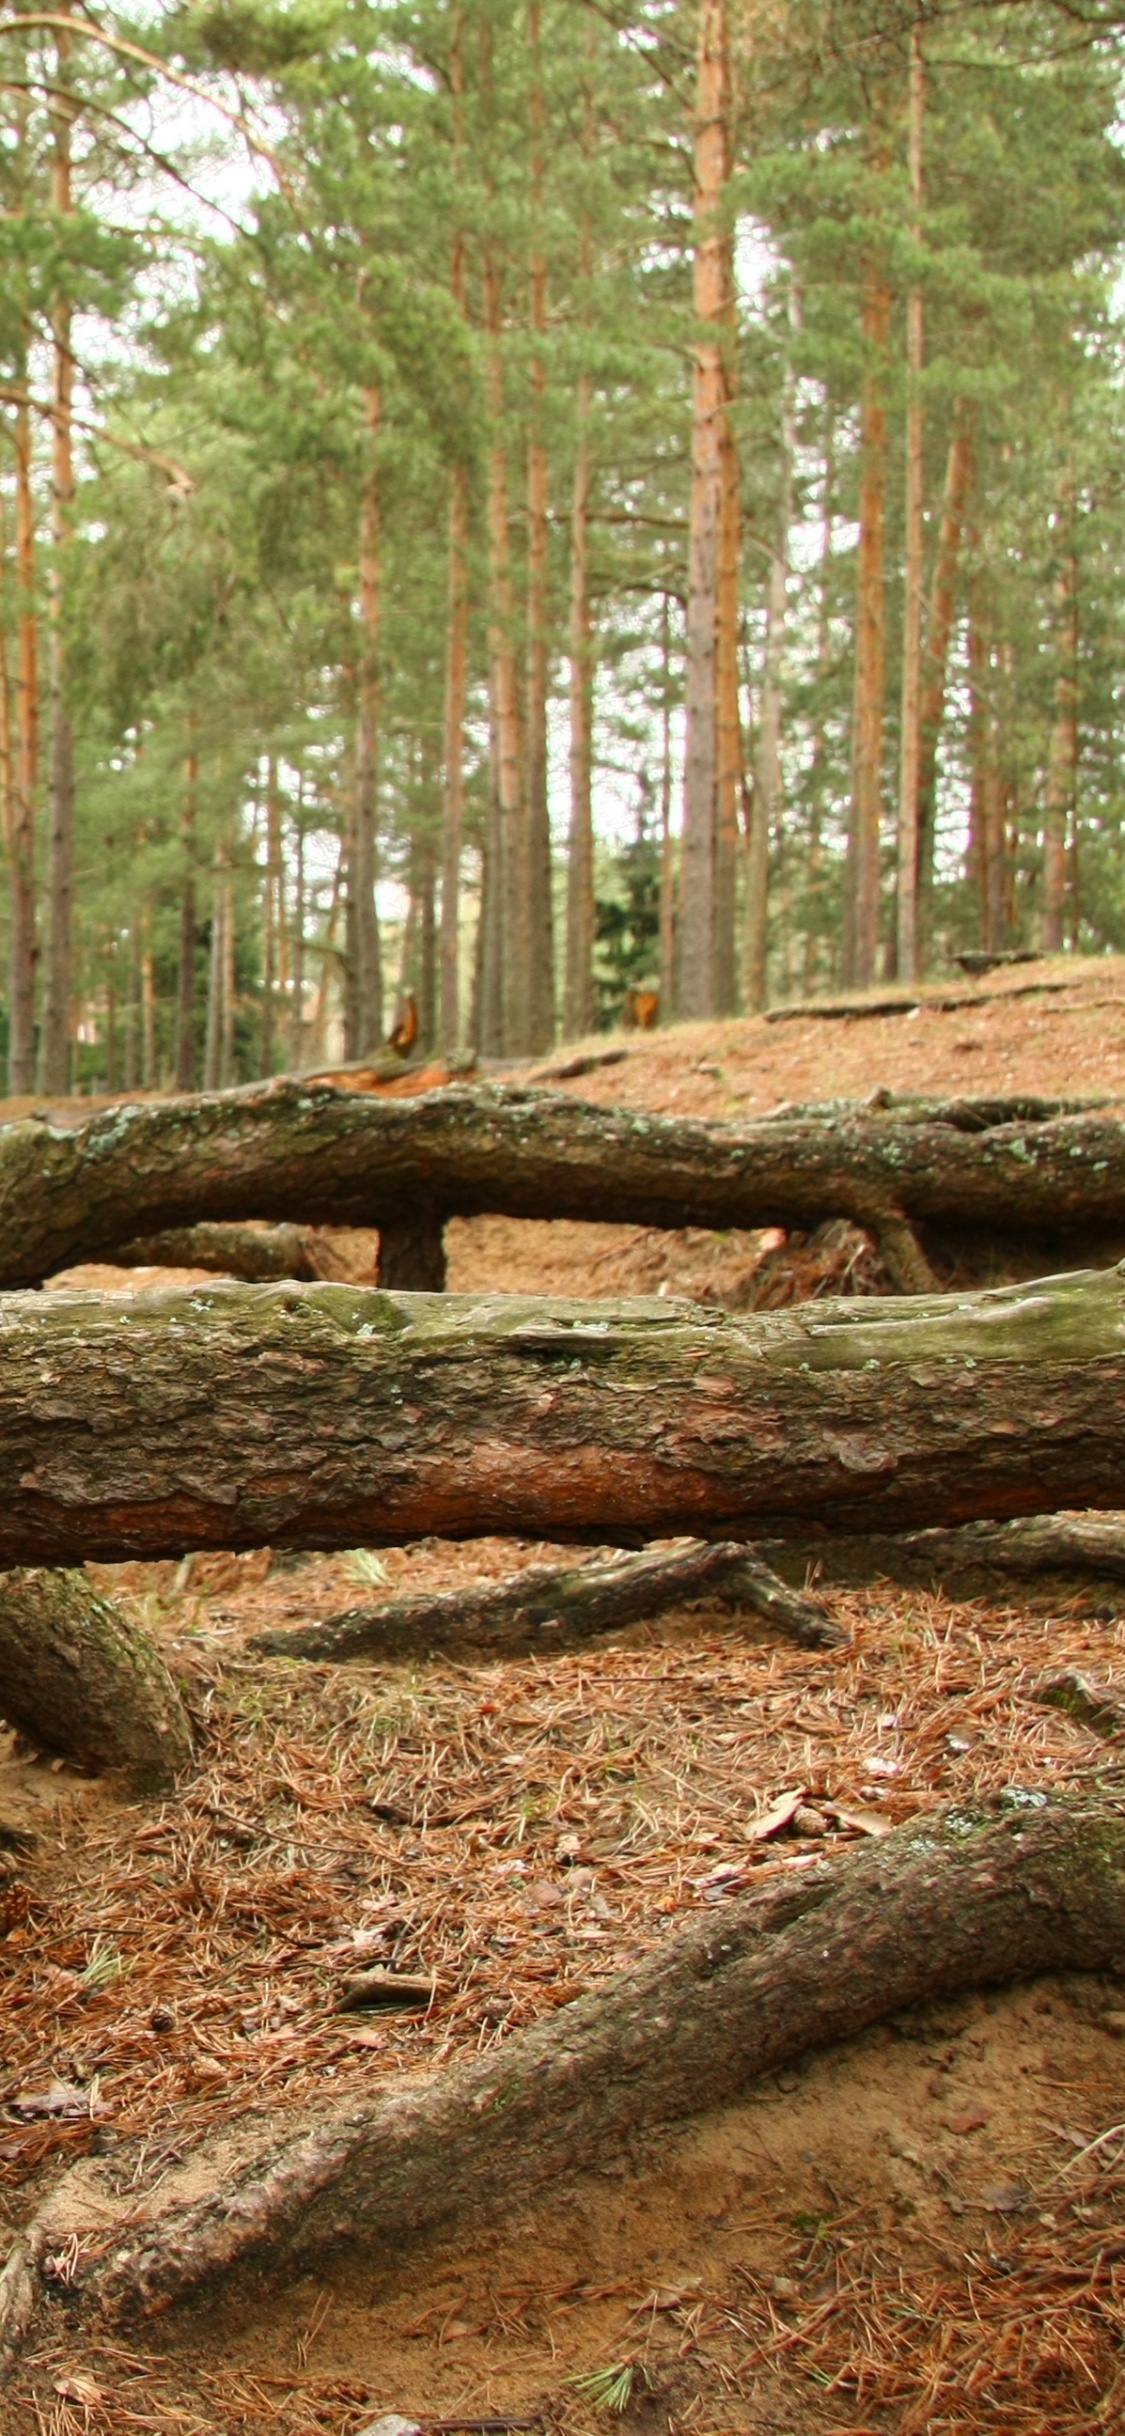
[79,1676]
[549,1606]
[908,1002]
[226,1416]
[316,1156]
[970,1899]
[256,1254]
[971,1558]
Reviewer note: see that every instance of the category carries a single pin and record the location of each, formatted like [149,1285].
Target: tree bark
[535,939]
[698,902]
[54,1038]
[939,629]
[503,1029]
[550,1606]
[255,1254]
[273,916]
[910,743]
[1011,1171]
[967,1561]
[815,924]
[76,1674]
[326,1416]
[453,794]
[216,975]
[862,907]
[185,983]
[457,628]
[22,927]
[729,773]
[762,1979]
[986,802]
[365,968]
[767,807]
[668,941]
[1062,767]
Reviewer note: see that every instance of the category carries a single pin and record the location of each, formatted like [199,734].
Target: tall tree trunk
[229,1003]
[579,1013]
[505,1014]
[907,908]
[7,757]
[579,1004]
[54,1039]
[427,942]
[132,1010]
[319,1026]
[364,949]
[185,983]
[765,816]
[216,974]
[813,881]
[271,924]
[457,632]
[1062,767]
[939,628]
[536,925]
[148,1001]
[728,722]
[668,957]
[23,948]
[986,796]
[862,907]
[456,685]
[297,1016]
[698,877]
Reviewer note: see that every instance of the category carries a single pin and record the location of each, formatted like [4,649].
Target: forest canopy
[504,501]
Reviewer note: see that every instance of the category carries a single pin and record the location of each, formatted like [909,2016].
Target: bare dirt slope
[923,2231]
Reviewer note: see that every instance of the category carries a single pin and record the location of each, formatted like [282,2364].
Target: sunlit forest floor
[921,2231]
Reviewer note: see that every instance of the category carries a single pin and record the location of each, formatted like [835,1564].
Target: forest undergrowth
[923,2231]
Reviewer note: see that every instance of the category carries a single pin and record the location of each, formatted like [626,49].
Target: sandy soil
[909,2234]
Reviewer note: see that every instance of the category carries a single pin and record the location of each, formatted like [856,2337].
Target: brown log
[1015,1888]
[253,1253]
[325,1416]
[973,1559]
[551,1605]
[79,1675]
[261,1255]
[321,1157]
[906,1002]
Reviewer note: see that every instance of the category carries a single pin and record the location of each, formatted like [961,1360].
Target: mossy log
[227,1416]
[551,1606]
[81,1677]
[960,1900]
[312,1155]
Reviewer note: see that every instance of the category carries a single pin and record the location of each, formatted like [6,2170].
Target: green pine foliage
[211,601]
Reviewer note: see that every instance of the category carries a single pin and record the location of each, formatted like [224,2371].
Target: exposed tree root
[553,1604]
[957,1900]
[80,1676]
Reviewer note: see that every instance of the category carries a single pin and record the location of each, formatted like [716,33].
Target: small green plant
[362,1565]
[103,1966]
[609,2389]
